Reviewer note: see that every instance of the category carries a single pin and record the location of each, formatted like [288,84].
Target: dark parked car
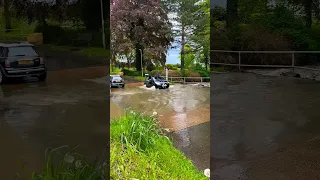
[20,60]
[157,81]
[116,81]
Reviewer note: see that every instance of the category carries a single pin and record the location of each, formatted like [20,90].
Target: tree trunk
[206,61]
[7,14]
[182,45]
[139,57]
[232,12]
[308,13]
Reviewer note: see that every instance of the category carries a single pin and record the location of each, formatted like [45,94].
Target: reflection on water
[254,116]
[176,106]
[37,115]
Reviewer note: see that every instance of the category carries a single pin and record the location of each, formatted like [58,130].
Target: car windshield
[117,78]
[22,51]
[158,78]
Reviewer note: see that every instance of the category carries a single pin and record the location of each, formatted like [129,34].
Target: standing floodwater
[183,109]
[65,110]
[264,127]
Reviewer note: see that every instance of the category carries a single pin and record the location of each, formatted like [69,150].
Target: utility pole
[141,62]
[103,31]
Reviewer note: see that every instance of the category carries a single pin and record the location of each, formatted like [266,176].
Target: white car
[116,81]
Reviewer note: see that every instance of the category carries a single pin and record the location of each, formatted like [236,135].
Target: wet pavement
[264,127]
[65,110]
[183,109]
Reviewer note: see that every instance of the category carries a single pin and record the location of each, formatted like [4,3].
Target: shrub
[128,72]
[201,70]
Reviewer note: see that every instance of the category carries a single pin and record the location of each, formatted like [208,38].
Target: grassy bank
[140,150]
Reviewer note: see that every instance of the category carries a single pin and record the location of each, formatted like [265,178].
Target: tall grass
[136,129]
[140,150]
[68,166]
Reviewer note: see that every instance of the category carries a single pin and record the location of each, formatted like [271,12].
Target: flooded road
[183,109]
[66,110]
[264,127]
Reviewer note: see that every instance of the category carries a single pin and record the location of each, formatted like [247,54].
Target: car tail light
[7,63]
[41,60]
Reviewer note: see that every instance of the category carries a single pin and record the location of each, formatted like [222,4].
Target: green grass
[68,166]
[87,51]
[140,150]
[20,28]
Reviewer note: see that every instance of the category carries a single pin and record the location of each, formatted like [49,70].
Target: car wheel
[42,77]
[122,86]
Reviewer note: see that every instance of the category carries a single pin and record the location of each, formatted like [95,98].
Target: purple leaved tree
[139,25]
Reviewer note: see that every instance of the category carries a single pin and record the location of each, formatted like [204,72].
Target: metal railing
[292,64]
[188,80]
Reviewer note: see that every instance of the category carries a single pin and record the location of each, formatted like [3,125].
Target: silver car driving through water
[116,81]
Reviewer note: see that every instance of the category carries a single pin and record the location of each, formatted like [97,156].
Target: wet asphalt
[264,127]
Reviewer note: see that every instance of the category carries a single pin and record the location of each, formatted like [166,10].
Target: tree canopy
[140,24]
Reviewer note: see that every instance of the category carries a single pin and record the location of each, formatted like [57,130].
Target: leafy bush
[52,33]
[128,72]
[201,70]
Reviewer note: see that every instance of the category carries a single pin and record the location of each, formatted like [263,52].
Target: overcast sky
[173,54]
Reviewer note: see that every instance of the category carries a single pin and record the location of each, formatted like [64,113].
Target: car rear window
[22,51]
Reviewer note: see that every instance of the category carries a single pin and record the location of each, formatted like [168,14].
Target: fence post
[184,80]
[239,59]
[292,63]
[201,79]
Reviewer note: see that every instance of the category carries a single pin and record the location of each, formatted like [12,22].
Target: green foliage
[131,72]
[189,57]
[136,130]
[201,70]
[140,150]
[172,66]
[282,20]
[264,28]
